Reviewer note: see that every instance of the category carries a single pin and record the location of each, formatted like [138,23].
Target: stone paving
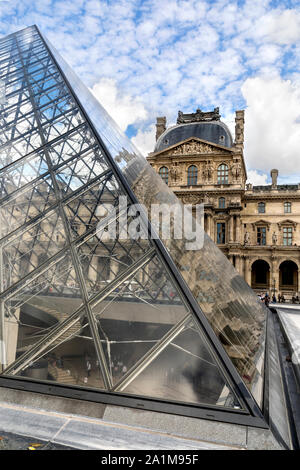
[10,441]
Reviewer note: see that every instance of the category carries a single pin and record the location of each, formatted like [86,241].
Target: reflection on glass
[182,369]
[25,205]
[33,309]
[136,316]
[82,209]
[28,250]
[70,360]
[22,173]
[79,172]
[103,259]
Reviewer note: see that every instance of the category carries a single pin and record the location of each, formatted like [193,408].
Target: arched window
[192,175]
[261,207]
[164,173]
[287,207]
[221,202]
[223,174]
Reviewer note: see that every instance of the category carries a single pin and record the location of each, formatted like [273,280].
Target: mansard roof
[212,131]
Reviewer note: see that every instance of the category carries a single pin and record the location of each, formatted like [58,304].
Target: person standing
[267,300]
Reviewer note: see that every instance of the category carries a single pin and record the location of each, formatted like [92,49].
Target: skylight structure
[137,321]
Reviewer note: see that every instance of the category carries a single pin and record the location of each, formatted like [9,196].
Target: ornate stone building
[257,227]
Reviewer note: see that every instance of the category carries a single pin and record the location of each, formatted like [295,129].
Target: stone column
[238,230]
[247,270]
[274,275]
[242,269]
[213,229]
[230,223]
[238,264]
[208,222]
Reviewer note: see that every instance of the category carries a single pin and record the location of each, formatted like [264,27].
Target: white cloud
[124,109]
[281,27]
[256,178]
[145,140]
[145,58]
[229,120]
[272,124]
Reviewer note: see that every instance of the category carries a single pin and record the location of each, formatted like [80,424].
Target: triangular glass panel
[70,360]
[181,368]
[32,309]
[137,315]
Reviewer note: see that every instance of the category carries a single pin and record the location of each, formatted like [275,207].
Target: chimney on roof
[239,128]
[274,176]
[160,126]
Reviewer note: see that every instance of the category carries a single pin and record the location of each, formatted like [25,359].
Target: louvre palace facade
[256,227]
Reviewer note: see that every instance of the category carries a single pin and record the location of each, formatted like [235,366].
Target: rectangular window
[261,235]
[287,208]
[287,236]
[220,233]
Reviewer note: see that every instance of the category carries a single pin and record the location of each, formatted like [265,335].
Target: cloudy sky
[148,58]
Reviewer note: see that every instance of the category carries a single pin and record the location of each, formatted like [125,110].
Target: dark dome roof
[216,132]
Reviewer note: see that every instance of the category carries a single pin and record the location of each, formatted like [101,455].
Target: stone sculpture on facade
[236,170]
[208,171]
[175,172]
[198,116]
[246,238]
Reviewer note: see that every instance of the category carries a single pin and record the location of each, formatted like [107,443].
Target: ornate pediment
[193,146]
[261,223]
[287,223]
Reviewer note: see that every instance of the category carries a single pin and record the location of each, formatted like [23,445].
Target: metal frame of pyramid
[61,155]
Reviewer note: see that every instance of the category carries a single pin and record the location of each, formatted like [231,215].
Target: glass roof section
[134,317]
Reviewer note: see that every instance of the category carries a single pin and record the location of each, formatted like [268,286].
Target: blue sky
[151,58]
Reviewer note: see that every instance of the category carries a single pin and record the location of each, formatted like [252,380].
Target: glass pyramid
[133,318]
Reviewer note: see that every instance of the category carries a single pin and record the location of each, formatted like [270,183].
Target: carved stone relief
[208,171]
[176,173]
[191,199]
[195,147]
[236,170]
